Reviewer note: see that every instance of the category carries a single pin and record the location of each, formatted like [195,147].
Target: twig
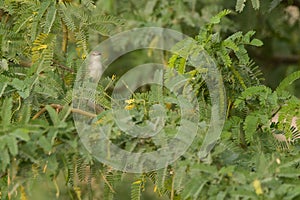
[88,114]
[172,187]
[39,113]
[65,37]
[60,107]
[63,66]
[58,64]
[287,59]
[107,183]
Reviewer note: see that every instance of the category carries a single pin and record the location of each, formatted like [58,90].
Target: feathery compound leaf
[67,18]
[107,19]
[39,44]
[136,188]
[288,81]
[89,4]
[68,98]
[240,4]
[50,19]
[53,115]
[250,126]
[256,42]
[3,84]
[21,133]
[12,145]
[247,36]
[5,158]
[193,188]
[235,36]
[81,37]
[225,57]
[242,55]
[255,4]
[249,93]
[216,19]
[111,179]
[6,112]
[37,19]
[230,45]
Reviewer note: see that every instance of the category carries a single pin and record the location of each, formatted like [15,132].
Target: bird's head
[96,53]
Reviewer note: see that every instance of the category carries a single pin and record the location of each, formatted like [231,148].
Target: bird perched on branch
[92,74]
[95,68]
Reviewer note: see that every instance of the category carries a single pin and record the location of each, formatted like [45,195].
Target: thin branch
[88,114]
[279,59]
[58,64]
[65,37]
[1,14]
[60,107]
[63,66]
[39,113]
[172,187]
[107,183]
[25,63]
[286,58]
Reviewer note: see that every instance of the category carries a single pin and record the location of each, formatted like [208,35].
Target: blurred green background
[276,23]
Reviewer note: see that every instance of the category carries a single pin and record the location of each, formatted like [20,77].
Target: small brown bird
[95,68]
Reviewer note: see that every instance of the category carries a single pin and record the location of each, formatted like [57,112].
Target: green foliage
[43,44]
[240,4]
[230,54]
[288,81]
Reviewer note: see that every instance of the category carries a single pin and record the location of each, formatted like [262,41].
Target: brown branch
[25,63]
[60,107]
[39,113]
[278,59]
[63,66]
[88,114]
[1,14]
[65,37]
[286,58]
[58,64]
[55,106]
[107,183]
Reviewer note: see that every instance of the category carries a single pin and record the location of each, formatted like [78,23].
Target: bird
[95,68]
